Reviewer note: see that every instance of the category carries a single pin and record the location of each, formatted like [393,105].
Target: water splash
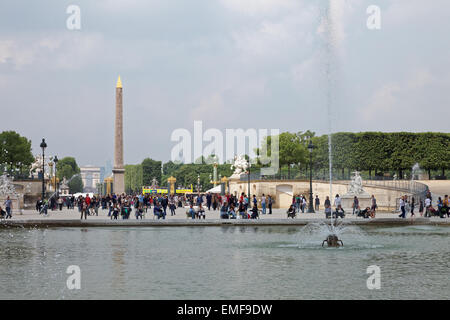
[314,233]
[7,187]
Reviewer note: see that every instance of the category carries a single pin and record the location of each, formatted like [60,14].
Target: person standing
[60,203]
[87,201]
[298,203]
[355,205]
[317,203]
[269,203]
[208,201]
[421,207]
[327,205]
[84,210]
[246,201]
[8,207]
[337,202]
[402,208]
[427,207]
[263,204]
[172,206]
[164,203]
[303,204]
[374,204]
[39,205]
[413,205]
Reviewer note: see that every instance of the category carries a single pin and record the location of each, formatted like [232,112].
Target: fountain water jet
[333,34]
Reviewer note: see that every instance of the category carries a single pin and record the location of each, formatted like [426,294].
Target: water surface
[224,263]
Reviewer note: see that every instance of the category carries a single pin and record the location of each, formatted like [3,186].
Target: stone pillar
[118,170]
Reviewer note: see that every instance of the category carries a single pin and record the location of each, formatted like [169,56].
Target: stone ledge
[55,223]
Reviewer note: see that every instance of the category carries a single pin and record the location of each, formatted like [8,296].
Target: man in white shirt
[427,207]
[337,202]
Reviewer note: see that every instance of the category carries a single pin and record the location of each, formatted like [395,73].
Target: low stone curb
[55,223]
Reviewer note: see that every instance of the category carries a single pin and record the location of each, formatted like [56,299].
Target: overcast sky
[231,63]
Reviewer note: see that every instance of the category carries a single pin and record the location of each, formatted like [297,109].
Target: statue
[154,182]
[64,183]
[356,185]
[36,167]
[240,165]
[333,241]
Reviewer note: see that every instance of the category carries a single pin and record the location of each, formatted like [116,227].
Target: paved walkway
[180,214]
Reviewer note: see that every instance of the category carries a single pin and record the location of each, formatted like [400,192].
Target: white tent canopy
[216,189]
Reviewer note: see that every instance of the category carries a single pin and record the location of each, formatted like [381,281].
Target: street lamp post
[43,146]
[198,184]
[55,160]
[310,149]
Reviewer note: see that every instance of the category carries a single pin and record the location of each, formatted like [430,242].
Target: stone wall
[283,190]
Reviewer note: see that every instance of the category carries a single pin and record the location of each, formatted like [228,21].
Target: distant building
[91,177]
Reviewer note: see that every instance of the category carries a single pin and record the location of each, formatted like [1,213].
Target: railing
[409,186]
[416,189]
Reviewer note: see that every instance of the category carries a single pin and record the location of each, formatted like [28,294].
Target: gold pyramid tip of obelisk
[119,83]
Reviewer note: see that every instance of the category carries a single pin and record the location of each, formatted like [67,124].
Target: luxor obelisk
[118,170]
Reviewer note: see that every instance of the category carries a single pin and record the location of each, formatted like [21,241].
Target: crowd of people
[229,206]
[426,208]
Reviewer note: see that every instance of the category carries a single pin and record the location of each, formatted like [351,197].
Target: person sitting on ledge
[157,210]
[291,212]
[364,213]
[115,213]
[201,212]
[254,211]
[231,213]
[224,211]
[191,211]
[327,212]
[242,211]
[339,213]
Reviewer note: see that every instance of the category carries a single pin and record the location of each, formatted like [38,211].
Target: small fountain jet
[333,241]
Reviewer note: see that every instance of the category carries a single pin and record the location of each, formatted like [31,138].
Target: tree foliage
[15,153]
[151,169]
[67,167]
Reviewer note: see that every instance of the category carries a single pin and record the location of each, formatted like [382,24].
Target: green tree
[291,150]
[151,169]
[67,167]
[15,153]
[133,178]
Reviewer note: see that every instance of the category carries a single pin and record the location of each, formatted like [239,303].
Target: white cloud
[256,7]
[66,50]
[399,99]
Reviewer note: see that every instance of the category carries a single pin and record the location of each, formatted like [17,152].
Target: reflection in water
[118,262]
[224,263]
